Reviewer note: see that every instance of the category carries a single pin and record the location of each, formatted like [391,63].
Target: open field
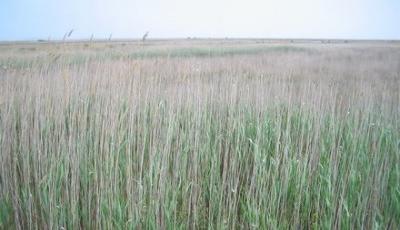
[200,134]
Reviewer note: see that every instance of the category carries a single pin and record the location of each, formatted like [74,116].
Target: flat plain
[200,134]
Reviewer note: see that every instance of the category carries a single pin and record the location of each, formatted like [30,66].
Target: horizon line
[116,39]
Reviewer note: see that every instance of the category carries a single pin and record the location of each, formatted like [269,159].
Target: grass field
[200,134]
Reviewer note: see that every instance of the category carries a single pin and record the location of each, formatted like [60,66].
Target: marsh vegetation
[200,134]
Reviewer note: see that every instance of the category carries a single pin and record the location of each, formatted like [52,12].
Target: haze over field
[348,19]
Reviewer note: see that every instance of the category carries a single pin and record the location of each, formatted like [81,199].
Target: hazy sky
[39,19]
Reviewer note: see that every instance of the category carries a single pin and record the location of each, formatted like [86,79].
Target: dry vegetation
[199,134]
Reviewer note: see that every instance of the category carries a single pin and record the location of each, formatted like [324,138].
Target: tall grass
[260,140]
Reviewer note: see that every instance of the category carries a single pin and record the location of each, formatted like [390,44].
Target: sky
[341,19]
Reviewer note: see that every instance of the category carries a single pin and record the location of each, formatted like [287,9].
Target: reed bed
[299,136]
